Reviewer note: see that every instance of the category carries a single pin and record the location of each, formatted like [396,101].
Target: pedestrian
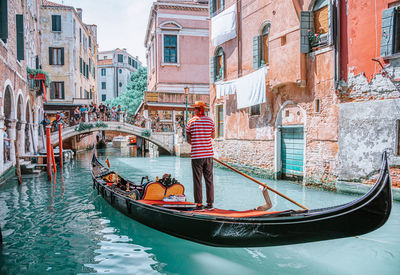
[102,109]
[108,112]
[118,112]
[77,115]
[113,113]
[200,130]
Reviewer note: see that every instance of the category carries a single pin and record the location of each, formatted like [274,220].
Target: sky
[120,23]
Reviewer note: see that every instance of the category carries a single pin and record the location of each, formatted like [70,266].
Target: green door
[292,148]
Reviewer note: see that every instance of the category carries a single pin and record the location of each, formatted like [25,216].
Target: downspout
[303,61]
[337,46]
[239,42]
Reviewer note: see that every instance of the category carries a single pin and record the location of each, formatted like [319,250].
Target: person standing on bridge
[200,130]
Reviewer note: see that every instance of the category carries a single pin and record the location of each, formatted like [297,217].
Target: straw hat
[199,104]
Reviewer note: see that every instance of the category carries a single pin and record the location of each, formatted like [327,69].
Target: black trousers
[203,167]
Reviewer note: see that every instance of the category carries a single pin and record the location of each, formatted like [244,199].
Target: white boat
[120,141]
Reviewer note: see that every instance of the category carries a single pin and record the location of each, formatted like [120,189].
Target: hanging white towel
[225,88]
[251,89]
[223,26]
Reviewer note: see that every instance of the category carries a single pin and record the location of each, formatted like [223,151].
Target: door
[292,151]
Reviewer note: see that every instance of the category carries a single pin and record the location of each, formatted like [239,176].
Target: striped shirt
[200,129]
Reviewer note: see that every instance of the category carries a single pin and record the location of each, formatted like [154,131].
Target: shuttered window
[390,33]
[216,6]
[56,23]
[212,69]
[255,110]
[20,36]
[261,48]
[103,85]
[57,90]
[56,56]
[80,64]
[3,20]
[170,49]
[103,72]
[220,65]
[120,58]
[306,26]
[256,51]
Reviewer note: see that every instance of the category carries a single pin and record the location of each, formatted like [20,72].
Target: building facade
[272,91]
[69,50]
[177,58]
[114,70]
[21,100]
[369,109]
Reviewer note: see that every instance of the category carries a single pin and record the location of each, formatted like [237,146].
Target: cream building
[69,50]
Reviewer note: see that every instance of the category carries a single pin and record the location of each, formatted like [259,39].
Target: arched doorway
[9,115]
[290,141]
[20,125]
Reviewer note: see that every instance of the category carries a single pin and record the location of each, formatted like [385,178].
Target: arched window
[264,49]
[218,65]
[261,48]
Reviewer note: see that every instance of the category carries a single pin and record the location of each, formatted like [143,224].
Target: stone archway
[290,141]
[21,123]
[8,150]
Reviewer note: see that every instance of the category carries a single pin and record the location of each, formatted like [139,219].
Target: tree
[131,99]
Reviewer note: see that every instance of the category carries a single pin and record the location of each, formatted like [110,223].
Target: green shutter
[62,90]
[212,69]
[388,22]
[3,20]
[257,51]
[20,36]
[62,56]
[306,25]
[52,90]
[53,23]
[212,7]
[80,64]
[223,66]
[59,22]
[50,56]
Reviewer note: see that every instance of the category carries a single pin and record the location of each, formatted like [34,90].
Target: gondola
[225,228]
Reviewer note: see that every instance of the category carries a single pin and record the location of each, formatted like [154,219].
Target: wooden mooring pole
[18,171]
[48,151]
[53,159]
[60,144]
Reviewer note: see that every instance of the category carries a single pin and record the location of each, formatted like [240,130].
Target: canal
[66,228]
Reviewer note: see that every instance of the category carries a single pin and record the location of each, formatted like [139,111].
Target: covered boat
[143,203]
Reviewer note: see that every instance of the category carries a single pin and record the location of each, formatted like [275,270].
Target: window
[105,57]
[220,120]
[80,64]
[20,36]
[130,61]
[80,35]
[56,23]
[80,94]
[217,65]
[3,20]
[103,85]
[120,71]
[120,84]
[260,48]
[103,72]
[57,90]
[86,94]
[90,42]
[120,58]
[103,97]
[216,6]
[56,56]
[255,110]
[390,39]
[170,49]
[135,64]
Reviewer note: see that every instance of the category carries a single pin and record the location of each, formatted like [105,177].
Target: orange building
[273,74]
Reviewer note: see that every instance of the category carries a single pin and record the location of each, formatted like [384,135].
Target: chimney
[79,12]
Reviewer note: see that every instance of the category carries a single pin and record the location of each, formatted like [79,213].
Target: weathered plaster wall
[366,129]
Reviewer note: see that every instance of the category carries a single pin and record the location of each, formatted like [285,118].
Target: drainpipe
[337,46]
[303,61]
[239,42]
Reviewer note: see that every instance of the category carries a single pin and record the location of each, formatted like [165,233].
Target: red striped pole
[48,150]
[54,160]
[60,143]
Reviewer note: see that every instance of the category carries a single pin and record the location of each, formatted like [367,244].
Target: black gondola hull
[359,217]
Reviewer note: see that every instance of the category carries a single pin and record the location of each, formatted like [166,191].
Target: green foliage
[100,124]
[39,71]
[131,99]
[83,127]
[313,37]
[146,133]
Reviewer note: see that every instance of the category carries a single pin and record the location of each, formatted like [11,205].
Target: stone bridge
[163,140]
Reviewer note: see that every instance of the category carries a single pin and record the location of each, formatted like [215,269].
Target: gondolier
[200,130]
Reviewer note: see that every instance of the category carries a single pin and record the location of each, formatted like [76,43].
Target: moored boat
[144,203]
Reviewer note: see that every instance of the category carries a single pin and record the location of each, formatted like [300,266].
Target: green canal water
[66,228]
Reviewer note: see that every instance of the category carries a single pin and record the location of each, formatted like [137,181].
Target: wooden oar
[260,183]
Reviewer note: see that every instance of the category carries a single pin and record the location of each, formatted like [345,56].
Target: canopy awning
[223,26]
[250,89]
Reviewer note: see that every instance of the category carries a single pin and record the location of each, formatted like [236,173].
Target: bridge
[163,140]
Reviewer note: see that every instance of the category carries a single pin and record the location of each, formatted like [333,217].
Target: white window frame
[177,48]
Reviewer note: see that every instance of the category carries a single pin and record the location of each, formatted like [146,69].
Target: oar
[260,183]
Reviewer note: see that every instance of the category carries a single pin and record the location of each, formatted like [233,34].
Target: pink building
[177,58]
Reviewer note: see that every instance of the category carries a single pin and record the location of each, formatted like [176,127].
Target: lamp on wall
[186,89]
